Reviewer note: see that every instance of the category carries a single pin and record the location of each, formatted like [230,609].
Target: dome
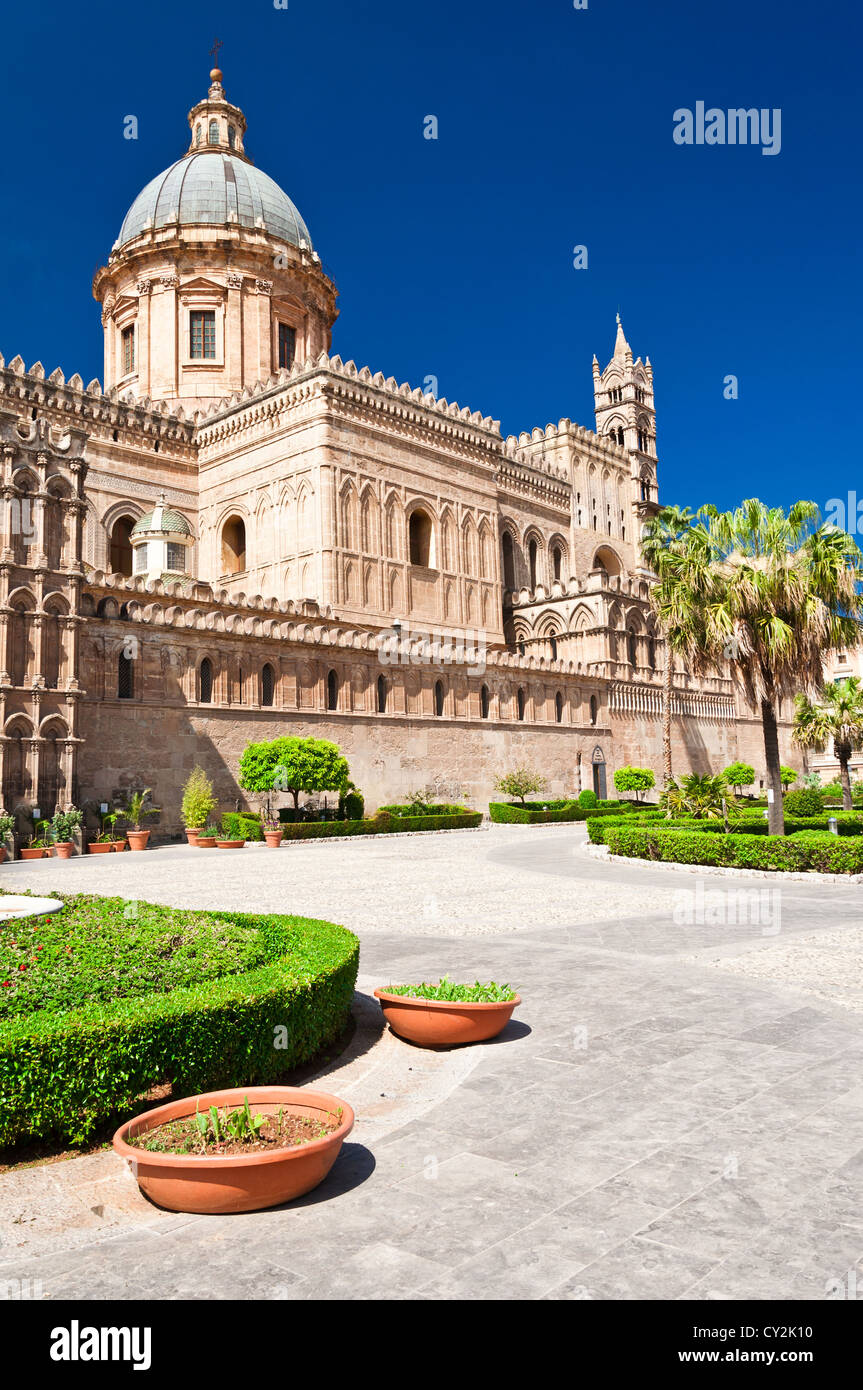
[216,189]
[162,519]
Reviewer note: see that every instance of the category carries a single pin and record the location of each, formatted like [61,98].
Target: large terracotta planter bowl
[205,842]
[32,853]
[444,1022]
[230,844]
[248,1182]
[105,847]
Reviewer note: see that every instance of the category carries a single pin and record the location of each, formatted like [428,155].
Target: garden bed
[551,812]
[203,1000]
[814,851]
[390,825]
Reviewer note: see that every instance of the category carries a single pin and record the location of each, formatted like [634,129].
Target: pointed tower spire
[621,346]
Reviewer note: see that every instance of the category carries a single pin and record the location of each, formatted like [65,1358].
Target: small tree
[199,801]
[521,782]
[788,775]
[634,779]
[293,765]
[739,775]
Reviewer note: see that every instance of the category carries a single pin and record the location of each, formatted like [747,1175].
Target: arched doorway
[599,783]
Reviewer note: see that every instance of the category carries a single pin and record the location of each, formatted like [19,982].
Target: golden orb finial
[216,74]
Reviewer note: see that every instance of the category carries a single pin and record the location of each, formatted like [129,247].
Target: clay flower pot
[192,835]
[101,847]
[2,854]
[444,1022]
[33,853]
[118,845]
[212,1184]
[137,838]
[206,842]
[230,844]
[64,849]
[273,838]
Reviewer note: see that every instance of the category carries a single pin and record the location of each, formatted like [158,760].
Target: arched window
[556,561]
[232,137]
[420,537]
[332,690]
[553,645]
[382,695]
[558,708]
[125,677]
[213,136]
[234,546]
[593,709]
[631,648]
[519,701]
[531,553]
[438,697]
[121,545]
[268,685]
[483,702]
[651,653]
[198,133]
[206,681]
[508,561]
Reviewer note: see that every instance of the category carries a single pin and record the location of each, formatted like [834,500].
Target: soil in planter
[282,1130]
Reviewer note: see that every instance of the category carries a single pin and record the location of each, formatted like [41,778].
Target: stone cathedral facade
[240,535]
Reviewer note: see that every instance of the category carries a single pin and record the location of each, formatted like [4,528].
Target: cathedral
[238,536]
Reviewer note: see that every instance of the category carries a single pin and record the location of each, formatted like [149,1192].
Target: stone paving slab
[647,1127]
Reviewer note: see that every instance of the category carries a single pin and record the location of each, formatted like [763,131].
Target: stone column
[34,754]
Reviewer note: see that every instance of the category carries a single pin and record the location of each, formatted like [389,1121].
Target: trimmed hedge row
[66,1073]
[241,825]
[537,813]
[386,825]
[850,824]
[810,854]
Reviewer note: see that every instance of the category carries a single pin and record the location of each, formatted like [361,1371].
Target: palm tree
[768,593]
[836,714]
[666,528]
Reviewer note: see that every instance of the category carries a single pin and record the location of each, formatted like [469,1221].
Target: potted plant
[273,833]
[38,846]
[135,813]
[224,841]
[198,803]
[447,1013]
[7,825]
[63,828]
[207,837]
[237,1150]
[107,842]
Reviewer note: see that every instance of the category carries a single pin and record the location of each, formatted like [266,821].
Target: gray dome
[163,519]
[207,188]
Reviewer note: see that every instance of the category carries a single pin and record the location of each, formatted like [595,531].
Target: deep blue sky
[454,257]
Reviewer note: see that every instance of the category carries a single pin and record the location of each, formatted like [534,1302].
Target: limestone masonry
[242,536]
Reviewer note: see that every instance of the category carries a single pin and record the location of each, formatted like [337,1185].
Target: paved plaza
[675,1111]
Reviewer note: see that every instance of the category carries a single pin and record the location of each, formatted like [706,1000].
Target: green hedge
[813,852]
[66,1073]
[539,813]
[429,809]
[240,825]
[387,825]
[849,824]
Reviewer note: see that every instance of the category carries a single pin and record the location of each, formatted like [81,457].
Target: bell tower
[625,411]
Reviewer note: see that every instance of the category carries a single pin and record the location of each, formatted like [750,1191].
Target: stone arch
[607,559]
[420,534]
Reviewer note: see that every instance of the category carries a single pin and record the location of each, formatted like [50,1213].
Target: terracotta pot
[64,849]
[246,1182]
[137,838]
[273,838]
[119,845]
[206,842]
[436,1022]
[33,853]
[2,854]
[103,847]
[192,835]
[230,844]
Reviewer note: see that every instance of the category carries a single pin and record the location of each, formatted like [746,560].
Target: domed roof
[163,519]
[216,189]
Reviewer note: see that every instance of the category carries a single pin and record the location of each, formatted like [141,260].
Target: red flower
[6,983]
[38,948]
[22,967]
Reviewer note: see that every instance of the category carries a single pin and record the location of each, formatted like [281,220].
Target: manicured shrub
[587,798]
[64,1072]
[354,805]
[424,808]
[739,775]
[808,802]
[241,825]
[199,800]
[380,824]
[823,853]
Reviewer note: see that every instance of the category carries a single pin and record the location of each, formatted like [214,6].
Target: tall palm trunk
[667,680]
[775,809]
[843,751]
